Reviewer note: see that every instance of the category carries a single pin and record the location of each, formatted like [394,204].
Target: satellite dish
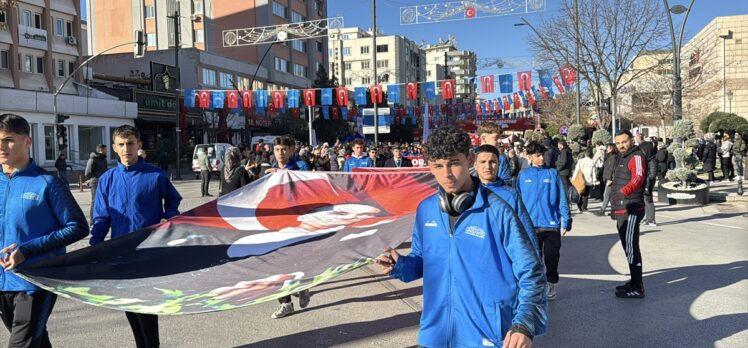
[282,36]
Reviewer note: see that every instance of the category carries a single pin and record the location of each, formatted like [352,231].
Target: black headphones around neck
[457,204]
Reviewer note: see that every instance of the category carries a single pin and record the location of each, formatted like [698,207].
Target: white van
[268,139]
[215,152]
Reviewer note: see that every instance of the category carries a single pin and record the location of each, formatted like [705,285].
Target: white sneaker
[551,291]
[284,310]
[304,298]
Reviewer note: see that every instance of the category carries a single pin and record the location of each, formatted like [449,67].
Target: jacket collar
[30,168]
[135,167]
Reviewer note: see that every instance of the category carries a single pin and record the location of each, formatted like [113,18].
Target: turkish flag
[335,113]
[496,106]
[376,94]
[487,83]
[568,75]
[352,112]
[232,99]
[558,84]
[525,80]
[204,99]
[310,96]
[530,98]
[507,105]
[342,94]
[246,99]
[277,99]
[517,100]
[448,89]
[412,90]
[478,109]
[470,12]
[543,92]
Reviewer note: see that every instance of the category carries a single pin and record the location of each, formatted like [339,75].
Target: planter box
[671,196]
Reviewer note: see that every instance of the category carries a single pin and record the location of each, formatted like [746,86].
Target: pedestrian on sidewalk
[233,175]
[544,197]
[95,167]
[131,196]
[627,199]
[62,169]
[585,167]
[725,152]
[709,156]
[40,218]
[204,163]
[739,150]
[648,151]
[470,302]
[611,160]
[490,134]
[564,163]
[661,158]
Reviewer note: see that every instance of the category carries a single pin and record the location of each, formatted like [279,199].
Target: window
[383,63]
[40,65]
[209,77]
[279,10]
[37,20]
[366,64]
[281,64]
[428,73]
[150,12]
[198,7]
[2,16]
[346,37]
[364,49]
[296,17]
[59,26]
[383,48]
[365,80]
[346,51]
[347,66]
[26,18]
[227,80]
[199,35]
[243,83]
[27,63]
[4,64]
[60,68]
[299,70]
[299,45]
[329,53]
[88,138]
[150,39]
[71,67]
[348,81]
[68,28]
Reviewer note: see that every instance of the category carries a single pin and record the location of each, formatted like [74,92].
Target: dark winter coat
[661,158]
[95,166]
[609,166]
[647,148]
[238,178]
[551,154]
[565,162]
[709,157]
[738,147]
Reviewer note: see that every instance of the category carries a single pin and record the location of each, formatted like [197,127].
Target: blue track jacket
[504,173]
[512,197]
[544,196]
[39,215]
[354,162]
[131,198]
[477,281]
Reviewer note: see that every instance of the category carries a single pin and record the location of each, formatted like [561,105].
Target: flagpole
[576,41]
[374,66]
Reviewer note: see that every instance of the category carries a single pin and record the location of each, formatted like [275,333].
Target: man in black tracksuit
[627,200]
[564,164]
[95,166]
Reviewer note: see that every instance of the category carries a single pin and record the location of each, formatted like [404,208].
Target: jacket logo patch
[476,231]
[487,343]
[30,196]
[547,181]
[430,223]
[528,180]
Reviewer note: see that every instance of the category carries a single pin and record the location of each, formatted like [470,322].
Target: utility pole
[374,66]
[576,41]
[178,131]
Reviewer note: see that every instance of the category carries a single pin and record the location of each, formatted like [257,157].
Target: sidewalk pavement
[696,276]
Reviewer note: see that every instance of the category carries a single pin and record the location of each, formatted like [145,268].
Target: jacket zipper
[450,331]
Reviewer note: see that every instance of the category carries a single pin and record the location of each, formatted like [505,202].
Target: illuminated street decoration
[280,33]
[462,10]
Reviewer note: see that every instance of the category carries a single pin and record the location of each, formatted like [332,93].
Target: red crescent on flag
[470,12]
[308,95]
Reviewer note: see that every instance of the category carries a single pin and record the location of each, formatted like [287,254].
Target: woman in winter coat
[233,175]
[725,157]
[585,166]
[661,158]
[709,157]
[611,159]
[647,148]
[514,166]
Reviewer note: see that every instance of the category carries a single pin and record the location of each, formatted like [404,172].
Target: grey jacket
[95,166]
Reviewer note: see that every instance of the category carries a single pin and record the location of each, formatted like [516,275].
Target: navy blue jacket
[480,277]
[39,215]
[131,198]
[544,196]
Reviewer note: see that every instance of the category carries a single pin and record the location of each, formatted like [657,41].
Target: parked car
[215,154]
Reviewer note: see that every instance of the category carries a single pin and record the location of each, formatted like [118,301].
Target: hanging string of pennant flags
[334,102]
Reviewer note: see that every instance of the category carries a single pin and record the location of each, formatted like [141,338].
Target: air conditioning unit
[196,18]
[71,40]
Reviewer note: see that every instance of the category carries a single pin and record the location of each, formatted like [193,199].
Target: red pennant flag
[487,83]
[335,113]
[342,94]
[203,99]
[310,96]
[525,80]
[448,89]
[496,105]
[376,94]
[277,99]
[543,92]
[558,84]
[478,110]
[246,99]
[352,112]
[568,75]
[296,113]
[507,105]
[530,97]
[431,110]
[517,100]
[232,99]
[488,106]
[412,90]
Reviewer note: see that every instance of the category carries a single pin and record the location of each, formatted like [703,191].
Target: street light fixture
[677,92]
[729,98]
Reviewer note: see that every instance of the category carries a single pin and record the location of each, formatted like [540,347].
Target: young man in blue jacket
[483,283]
[490,134]
[358,159]
[131,196]
[40,218]
[544,196]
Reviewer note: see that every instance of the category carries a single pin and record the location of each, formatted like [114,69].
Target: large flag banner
[376,94]
[487,83]
[246,99]
[360,95]
[525,80]
[393,94]
[262,98]
[412,90]
[342,94]
[277,99]
[310,96]
[232,99]
[189,98]
[568,75]
[546,80]
[286,232]
[506,85]
[219,99]
[326,98]
[448,89]
[203,99]
[429,90]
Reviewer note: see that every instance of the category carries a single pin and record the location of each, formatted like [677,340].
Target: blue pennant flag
[522,97]
[506,84]
[425,109]
[218,99]
[344,112]
[260,110]
[360,95]
[261,98]
[429,90]
[402,120]
[326,112]
[413,120]
[327,96]
[410,111]
[546,81]
[189,98]
[393,94]
[293,98]
[535,94]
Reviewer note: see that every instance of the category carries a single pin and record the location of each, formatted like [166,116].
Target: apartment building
[444,59]
[40,48]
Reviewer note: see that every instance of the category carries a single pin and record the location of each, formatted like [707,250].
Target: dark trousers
[144,328]
[649,209]
[584,198]
[25,316]
[727,169]
[94,183]
[205,177]
[628,231]
[711,175]
[550,249]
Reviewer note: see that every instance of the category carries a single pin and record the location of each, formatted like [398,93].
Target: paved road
[696,273]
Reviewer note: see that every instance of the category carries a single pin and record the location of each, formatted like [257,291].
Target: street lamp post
[729,98]
[727,34]
[677,44]
[374,66]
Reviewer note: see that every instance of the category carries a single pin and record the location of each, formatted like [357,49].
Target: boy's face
[487,166]
[14,148]
[282,153]
[536,159]
[453,173]
[358,149]
[127,149]
[490,139]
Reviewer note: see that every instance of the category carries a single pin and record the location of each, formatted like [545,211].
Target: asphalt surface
[696,277]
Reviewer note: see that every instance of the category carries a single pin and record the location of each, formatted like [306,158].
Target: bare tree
[611,34]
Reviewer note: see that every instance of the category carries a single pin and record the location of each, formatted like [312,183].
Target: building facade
[40,48]
[444,60]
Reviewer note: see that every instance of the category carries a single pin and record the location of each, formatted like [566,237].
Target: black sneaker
[623,287]
[630,292]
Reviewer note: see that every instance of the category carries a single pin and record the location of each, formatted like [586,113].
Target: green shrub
[601,135]
[528,134]
[575,132]
[552,130]
[714,116]
[730,123]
